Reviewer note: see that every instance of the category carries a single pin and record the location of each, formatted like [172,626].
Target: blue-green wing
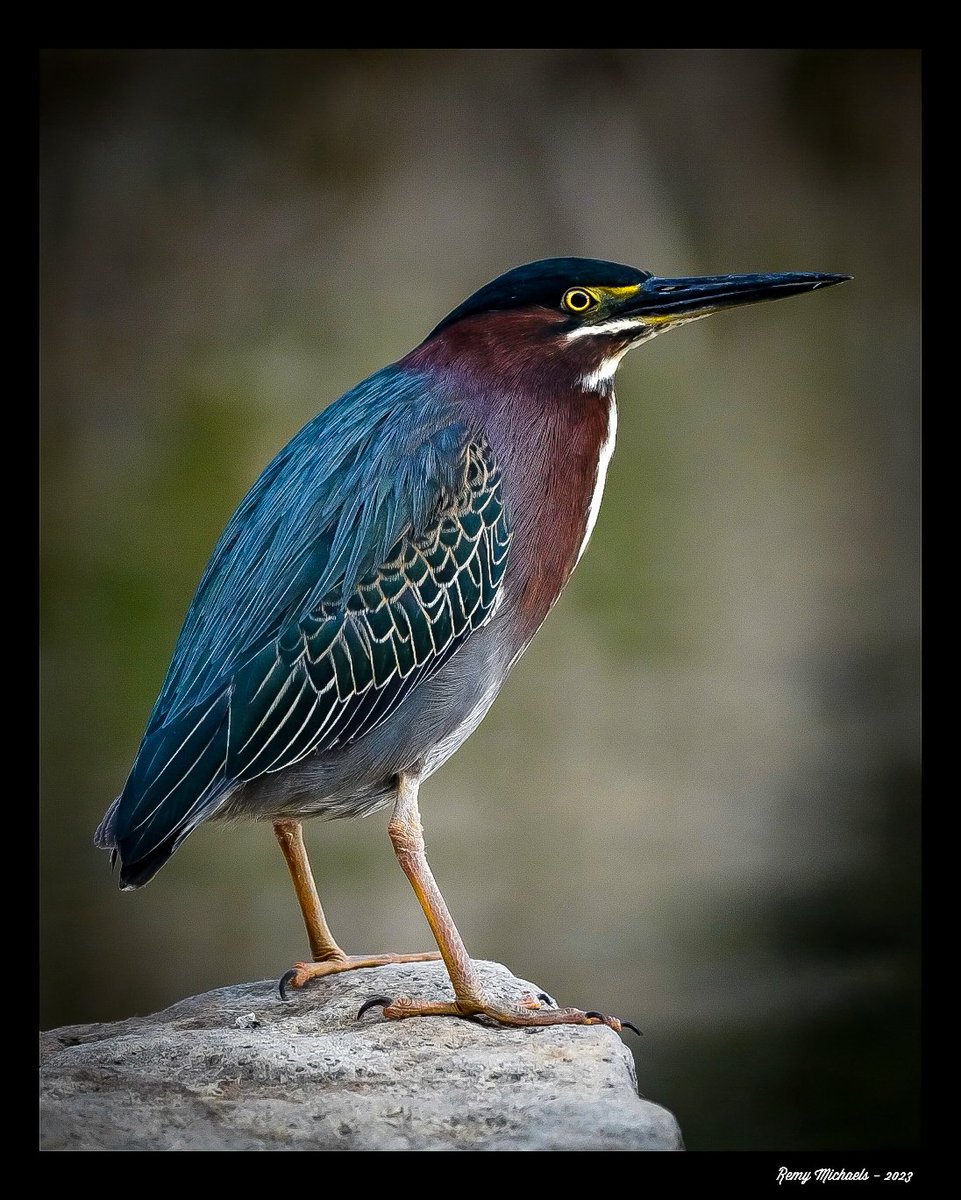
[341,669]
[319,613]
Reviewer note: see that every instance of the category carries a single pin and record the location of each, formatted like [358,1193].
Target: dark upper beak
[665,300]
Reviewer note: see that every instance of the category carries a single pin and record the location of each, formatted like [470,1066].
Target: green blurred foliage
[695,802]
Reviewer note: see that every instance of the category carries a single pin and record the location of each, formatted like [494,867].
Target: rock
[238,1069]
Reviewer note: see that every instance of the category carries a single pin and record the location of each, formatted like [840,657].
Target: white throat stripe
[595,380]
[603,462]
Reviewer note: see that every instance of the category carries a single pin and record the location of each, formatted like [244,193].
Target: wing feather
[338,587]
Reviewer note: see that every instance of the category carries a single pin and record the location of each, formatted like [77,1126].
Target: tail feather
[176,783]
[105,838]
[135,872]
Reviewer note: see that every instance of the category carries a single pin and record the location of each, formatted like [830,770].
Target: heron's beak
[663,301]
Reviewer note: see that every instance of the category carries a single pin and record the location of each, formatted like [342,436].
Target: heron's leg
[329,959]
[407,836]
[290,834]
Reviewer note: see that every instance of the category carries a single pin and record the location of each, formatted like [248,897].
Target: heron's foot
[302,973]
[529,1011]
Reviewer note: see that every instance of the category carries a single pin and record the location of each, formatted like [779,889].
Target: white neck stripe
[603,462]
[594,381]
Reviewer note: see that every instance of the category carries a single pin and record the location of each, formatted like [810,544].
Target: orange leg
[407,836]
[329,959]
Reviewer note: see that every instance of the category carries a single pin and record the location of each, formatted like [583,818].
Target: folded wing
[340,584]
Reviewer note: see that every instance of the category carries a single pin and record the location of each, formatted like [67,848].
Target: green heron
[385,572]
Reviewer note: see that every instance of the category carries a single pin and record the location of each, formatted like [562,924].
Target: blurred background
[696,801]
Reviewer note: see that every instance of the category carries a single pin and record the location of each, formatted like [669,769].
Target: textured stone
[237,1069]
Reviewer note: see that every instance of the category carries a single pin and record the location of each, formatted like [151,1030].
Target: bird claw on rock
[403,1006]
[597,1016]
[287,978]
[374,1002]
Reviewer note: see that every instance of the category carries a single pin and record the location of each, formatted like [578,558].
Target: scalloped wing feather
[337,587]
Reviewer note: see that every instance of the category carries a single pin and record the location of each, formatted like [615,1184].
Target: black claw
[624,1024]
[373,1002]
[547,999]
[284,980]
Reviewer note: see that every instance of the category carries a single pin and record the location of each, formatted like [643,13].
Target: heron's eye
[578,301]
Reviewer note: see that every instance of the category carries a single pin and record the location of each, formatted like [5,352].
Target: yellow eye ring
[577,300]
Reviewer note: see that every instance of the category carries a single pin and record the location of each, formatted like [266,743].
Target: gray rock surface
[237,1069]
